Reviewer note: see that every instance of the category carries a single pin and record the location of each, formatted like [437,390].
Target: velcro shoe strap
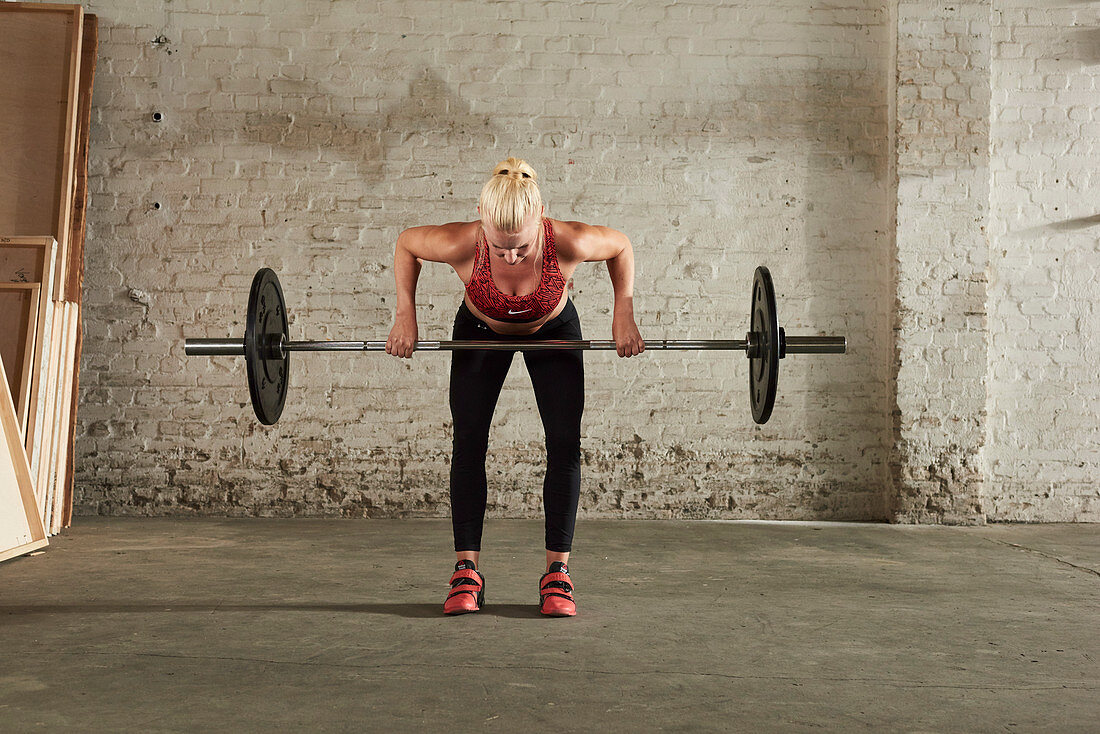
[466,573]
[557,576]
[464,590]
[556,592]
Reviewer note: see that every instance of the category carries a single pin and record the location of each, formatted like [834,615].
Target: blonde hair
[510,195]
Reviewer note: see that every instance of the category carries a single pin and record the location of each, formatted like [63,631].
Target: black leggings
[476,379]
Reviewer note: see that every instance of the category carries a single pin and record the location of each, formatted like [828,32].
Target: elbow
[625,247]
[626,252]
[402,250]
[402,241]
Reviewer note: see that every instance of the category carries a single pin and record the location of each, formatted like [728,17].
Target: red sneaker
[467,590]
[556,592]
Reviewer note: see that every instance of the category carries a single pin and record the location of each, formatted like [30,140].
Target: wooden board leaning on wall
[32,260]
[19,305]
[74,287]
[59,439]
[49,51]
[40,49]
[21,528]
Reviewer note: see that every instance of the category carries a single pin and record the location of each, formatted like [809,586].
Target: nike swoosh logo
[516,313]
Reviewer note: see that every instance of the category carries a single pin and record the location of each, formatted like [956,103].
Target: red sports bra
[488,299]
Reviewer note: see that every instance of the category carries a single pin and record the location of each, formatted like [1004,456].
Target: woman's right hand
[402,339]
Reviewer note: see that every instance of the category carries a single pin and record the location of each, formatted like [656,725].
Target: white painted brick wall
[1043,436]
[305,135]
[846,146]
[943,167]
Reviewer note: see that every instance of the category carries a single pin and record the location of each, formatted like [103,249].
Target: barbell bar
[266,346]
[235,347]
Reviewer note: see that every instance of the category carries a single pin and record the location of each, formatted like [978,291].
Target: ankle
[553,557]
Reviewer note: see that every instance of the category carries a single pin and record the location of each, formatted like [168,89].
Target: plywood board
[32,260]
[65,434]
[74,282]
[70,469]
[50,451]
[40,54]
[21,528]
[44,442]
[59,455]
[19,311]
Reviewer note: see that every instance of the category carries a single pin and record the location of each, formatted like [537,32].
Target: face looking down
[514,247]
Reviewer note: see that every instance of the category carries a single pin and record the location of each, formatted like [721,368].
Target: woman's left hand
[628,340]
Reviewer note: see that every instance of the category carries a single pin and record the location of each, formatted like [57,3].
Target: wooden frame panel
[74,266]
[40,47]
[75,285]
[17,344]
[60,433]
[21,528]
[63,434]
[70,463]
[33,259]
[44,448]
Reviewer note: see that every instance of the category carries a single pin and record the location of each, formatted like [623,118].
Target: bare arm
[621,270]
[613,247]
[406,271]
[414,246]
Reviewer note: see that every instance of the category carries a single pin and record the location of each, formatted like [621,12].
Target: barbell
[266,346]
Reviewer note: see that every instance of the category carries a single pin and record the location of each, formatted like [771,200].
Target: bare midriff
[512,329]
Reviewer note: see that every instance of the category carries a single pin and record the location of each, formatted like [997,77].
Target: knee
[563,450]
[469,447]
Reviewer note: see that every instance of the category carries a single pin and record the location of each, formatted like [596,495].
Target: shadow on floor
[413,611]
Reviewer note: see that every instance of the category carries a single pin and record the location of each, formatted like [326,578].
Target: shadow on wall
[800,165]
[360,160]
[846,231]
[1061,43]
[429,110]
[1085,46]
[827,132]
[1069,225]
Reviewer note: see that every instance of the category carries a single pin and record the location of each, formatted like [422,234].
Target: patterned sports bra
[488,299]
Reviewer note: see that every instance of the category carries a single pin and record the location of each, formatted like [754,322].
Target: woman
[515,265]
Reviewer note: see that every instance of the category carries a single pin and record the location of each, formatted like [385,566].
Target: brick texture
[942,129]
[305,135]
[1043,436]
[891,163]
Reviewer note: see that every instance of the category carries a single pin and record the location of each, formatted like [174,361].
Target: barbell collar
[213,347]
[816,344]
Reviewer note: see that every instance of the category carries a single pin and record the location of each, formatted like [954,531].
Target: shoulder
[449,243]
[582,242]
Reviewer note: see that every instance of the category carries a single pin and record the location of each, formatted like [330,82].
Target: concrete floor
[165,625]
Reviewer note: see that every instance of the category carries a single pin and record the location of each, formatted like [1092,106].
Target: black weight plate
[268,370]
[764,363]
